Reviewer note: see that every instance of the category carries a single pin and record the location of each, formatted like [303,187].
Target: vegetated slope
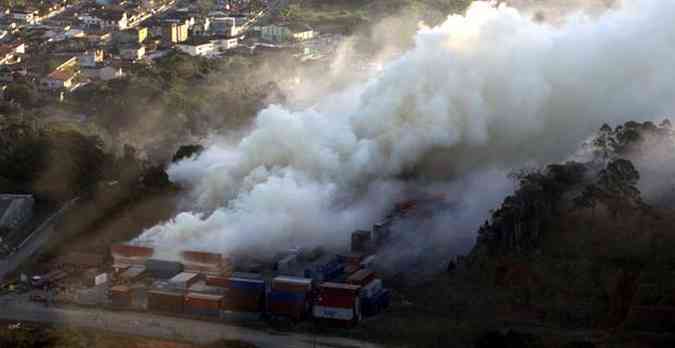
[576,247]
[577,243]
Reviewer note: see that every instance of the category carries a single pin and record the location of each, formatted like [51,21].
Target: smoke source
[480,94]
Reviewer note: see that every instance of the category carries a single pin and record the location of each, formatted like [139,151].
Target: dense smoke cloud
[477,95]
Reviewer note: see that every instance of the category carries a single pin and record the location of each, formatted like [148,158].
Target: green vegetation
[182,96]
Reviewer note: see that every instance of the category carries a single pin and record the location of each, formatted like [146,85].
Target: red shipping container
[362,277]
[204,301]
[127,250]
[293,310]
[291,284]
[220,281]
[202,257]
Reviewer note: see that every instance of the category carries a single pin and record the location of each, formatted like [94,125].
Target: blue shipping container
[371,306]
[281,296]
[247,284]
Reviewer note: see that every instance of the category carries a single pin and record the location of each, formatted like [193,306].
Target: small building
[106,19]
[225,43]
[90,59]
[129,36]
[132,52]
[226,26]
[25,15]
[175,33]
[197,47]
[59,79]
[276,33]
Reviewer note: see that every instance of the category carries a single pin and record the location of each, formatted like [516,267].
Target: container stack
[121,296]
[166,301]
[201,287]
[338,303]
[326,270]
[290,297]
[183,281]
[125,255]
[206,263]
[203,305]
[375,303]
[244,295]
[163,269]
[362,277]
[352,258]
[132,274]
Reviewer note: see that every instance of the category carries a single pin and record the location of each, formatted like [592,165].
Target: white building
[197,48]
[134,52]
[224,44]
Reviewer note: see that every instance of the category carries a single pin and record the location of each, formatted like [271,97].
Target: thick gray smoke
[477,95]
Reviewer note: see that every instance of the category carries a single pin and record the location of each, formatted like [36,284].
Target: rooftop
[61,75]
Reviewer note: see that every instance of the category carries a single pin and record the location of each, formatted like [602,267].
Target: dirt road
[150,325]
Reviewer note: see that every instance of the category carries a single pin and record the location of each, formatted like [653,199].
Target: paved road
[150,325]
[32,244]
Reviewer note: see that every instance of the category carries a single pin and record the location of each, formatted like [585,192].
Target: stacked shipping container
[125,255]
[166,301]
[205,262]
[203,305]
[289,297]
[120,296]
[244,295]
[163,269]
[184,281]
[338,302]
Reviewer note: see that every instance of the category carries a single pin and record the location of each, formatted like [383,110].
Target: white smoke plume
[481,93]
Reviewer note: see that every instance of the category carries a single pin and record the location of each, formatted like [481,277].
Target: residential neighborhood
[59,46]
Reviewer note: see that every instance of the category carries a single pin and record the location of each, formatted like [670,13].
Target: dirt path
[156,326]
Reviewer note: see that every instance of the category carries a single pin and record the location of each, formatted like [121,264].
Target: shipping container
[202,287]
[247,275]
[361,277]
[166,301]
[163,269]
[325,270]
[238,300]
[220,281]
[291,284]
[253,285]
[291,305]
[206,262]
[351,258]
[203,305]
[289,297]
[121,296]
[338,302]
[184,281]
[126,254]
[132,274]
[374,305]
[371,289]
[361,242]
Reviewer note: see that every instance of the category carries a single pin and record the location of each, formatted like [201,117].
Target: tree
[604,142]
[187,151]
